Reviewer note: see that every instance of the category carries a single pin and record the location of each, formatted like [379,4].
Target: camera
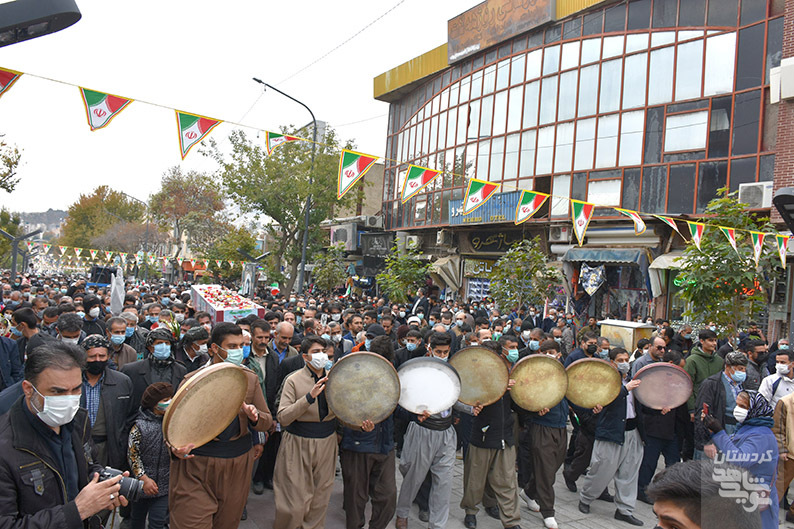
[131,488]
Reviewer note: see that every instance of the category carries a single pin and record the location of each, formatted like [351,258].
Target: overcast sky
[198,56]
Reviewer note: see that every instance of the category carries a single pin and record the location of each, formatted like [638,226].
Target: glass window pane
[654,189]
[636,42]
[527,162]
[720,51]
[500,113]
[720,127]
[531,104]
[742,172]
[639,14]
[570,55]
[692,13]
[690,34]
[751,57]
[567,109]
[486,116]
[689,69]
[774,45]
[476,84]
[452,121]
[561,187]
[711,177]
[591,50]
[604,192]
[607,145]
[483,159]
[664,13]
[634,80]
[588,90]
[514,109]
[585,144]
[686,132]
[610,86]
[471,160]
[613,46]
[463,117]
[517,69]
[533,64]
[442,131]
[545,150]
[444,100]
[631,129]
[564,152]
[660,82]
[548,100]
[474,120]
[631,188]
[593,23]
[502,74]
[654,124]
[660,38]
[745,123]
[681,177]
[723,12]
[551,59]
[511,156]
[497,159]
[615,19]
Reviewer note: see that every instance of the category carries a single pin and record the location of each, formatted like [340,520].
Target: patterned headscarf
[94,341]
[159,334]
[759,407]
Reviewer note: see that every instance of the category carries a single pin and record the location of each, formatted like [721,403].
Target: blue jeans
[156,508]
[654,447]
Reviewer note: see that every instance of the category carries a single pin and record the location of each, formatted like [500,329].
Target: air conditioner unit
[374,221]
[346,235]
[443,238]
[413,241]
[560,234]
[756,194]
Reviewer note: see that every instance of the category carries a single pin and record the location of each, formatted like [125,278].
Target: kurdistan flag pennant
[352,166]
[274,139]
[477,193]
[7,79]
[758,245]
[192,129]
[639,224]
[782,243]
[415,180]
[670,222]
[528,204]
[696,230]
[730,234]
[100,107]
[581,212]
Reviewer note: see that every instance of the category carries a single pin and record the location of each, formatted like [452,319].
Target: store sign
[376,244]
[500,208]
[478,267]
[492,241]
[492,22]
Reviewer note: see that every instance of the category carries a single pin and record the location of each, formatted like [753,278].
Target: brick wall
[784,157]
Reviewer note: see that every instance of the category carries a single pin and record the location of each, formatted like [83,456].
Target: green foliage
[275,189]
[719,284]
[9,160]
[225,248]
[10,224]
[403,274]
[329,268]
[522,276]
[92,215]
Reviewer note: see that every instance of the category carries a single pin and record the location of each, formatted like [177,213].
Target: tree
[9,222]
[184,203]
[720,284]
[9,160]
[522,276]
[93,214]
[329,268]
[403,274]
[275,189]
[130,237]
[225,250]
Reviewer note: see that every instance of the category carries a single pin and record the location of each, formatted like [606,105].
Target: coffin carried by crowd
[223,304]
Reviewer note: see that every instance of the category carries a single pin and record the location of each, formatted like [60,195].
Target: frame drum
[592,381]
[541,382]
[483,375]
[362,386]
[663,386]
[428,384]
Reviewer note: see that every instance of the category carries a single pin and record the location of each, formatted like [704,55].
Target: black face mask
[96,368]
[591,349]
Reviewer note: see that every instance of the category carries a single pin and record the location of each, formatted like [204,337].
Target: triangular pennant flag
[193,263]
[639,224]
[477,193]
[581,213]
[352,166]
[30,245]
[123,256]
[758,245]
[78,251]
[274,139]
[528,204]
[100,107]
[152,259]
[415,180]
[7,79]
[218,263]
[782,243]
[231,263]
[63,249]
[730,234]
[670,222]
[206,263]
[192,129]
[108,255]
[47,247]
[93,253]
[696,230]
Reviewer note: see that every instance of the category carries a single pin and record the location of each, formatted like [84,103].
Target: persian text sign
[494,21]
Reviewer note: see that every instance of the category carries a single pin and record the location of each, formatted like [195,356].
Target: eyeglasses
[661,348]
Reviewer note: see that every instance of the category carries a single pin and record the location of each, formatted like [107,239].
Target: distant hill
[50,217]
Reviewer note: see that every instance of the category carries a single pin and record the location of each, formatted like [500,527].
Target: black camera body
[131,488]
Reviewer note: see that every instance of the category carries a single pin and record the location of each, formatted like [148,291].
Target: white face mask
[336,338]
[782,369]
[318,360]
[202,349]
[94,313]
[336,317]
[740,414]
[58,410]
[179,317]
[72,341]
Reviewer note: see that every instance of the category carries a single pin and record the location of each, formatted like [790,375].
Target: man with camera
[48,474]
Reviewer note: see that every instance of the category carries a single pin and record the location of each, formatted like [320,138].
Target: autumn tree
[9,160]
[329,268]
[129,237]
[93,214]
[9,222]
[224,249]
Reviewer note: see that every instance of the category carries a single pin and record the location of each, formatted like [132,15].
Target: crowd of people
[84,391]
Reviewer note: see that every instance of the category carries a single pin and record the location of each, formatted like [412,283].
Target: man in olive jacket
[702,363]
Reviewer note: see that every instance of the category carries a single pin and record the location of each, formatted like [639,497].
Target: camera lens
[131,488]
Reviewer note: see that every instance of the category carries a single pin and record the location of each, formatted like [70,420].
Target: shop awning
[674,259]
[638,256]
[448,269]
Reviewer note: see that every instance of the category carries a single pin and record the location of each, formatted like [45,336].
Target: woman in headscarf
[753,447]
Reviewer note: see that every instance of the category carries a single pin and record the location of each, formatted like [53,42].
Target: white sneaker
[532,505]
[550,522]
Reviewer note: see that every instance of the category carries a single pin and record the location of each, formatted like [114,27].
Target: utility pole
[15,248]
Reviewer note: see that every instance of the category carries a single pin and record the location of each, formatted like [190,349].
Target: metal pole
[302,270]
[14,250]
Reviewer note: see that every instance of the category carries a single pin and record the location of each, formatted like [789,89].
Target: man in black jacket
[46,452]
[159,366]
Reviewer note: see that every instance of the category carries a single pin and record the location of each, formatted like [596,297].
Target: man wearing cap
[158,366]
[92,323]
[373,331]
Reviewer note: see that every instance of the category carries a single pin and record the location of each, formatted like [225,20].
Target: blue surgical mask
[783,347]
[326,337]
[687,337]
[81,314]
[166,301]
[129,331]
[410,346]
[234,356]
[534,345]
[713,328]
[117,339]
[459,323]
[569,320]
[512,355]
[15,331]
[162,351]
[367,343]
[246,351]
[153,319]
[604,354]
[739,376]
[328,365]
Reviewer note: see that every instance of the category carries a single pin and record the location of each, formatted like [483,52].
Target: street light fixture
[302,270]
[27,19]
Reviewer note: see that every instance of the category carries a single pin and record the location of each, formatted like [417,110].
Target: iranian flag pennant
[639,224]
[108,255]
[93,253]
[7,79]
[730,234]
[192,129]
[528,204]
[782,243]
[206,264]
[696,230]
[47,247]
[30,245]
[274,139]
[758,245]
[123,256]
[193,263]
[670,222]
[352,166]
[100,107]
[581,212]
[63,249]
[152,259]
[218,263]
[78,251]
[477,193]
[415,180]
[231,263]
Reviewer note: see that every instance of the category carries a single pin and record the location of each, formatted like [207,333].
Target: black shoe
[493,512]
[424,516]
[628,519]
[607,497]
[126,523]
[571,484]
[789,516]
[269,484]
[259,488]
[470,521]
[644,499]
[584,508]
[245,513]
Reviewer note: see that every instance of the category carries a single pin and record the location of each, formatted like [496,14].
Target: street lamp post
[302,271]
[146,237]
